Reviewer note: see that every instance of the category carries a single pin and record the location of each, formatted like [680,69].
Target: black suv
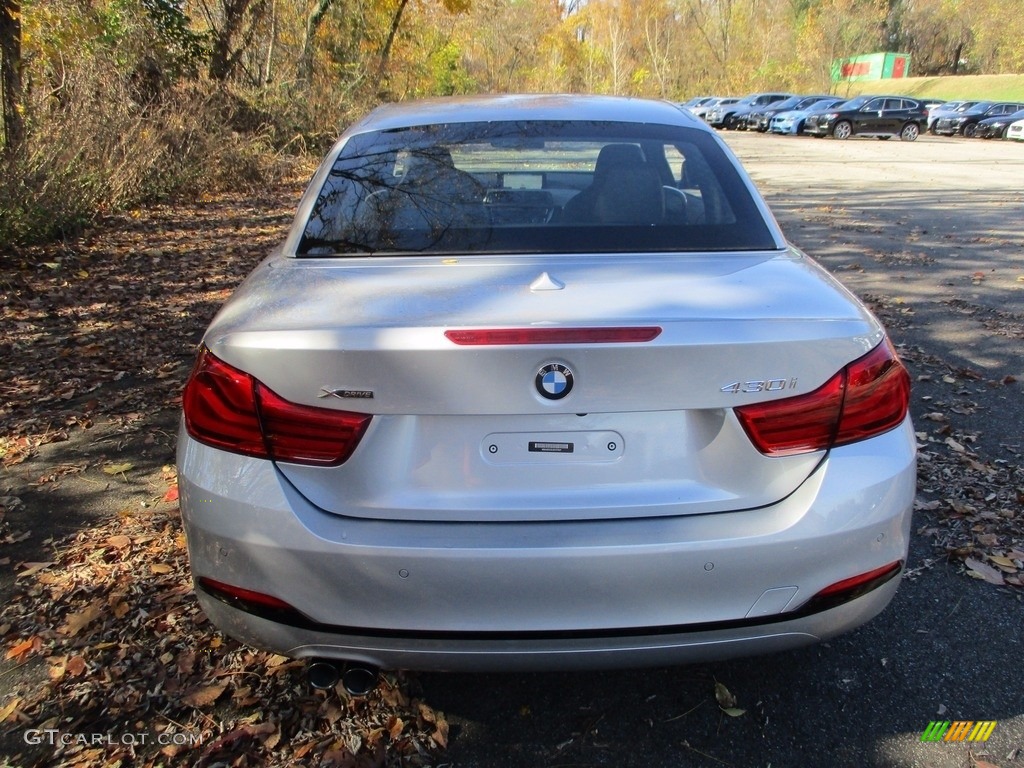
[879,116]
[966,123]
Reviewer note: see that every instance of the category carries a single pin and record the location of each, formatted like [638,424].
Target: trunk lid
[466,433]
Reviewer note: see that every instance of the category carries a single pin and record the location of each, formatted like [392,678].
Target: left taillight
[228,409]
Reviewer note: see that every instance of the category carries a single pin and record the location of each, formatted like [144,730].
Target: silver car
[536,382]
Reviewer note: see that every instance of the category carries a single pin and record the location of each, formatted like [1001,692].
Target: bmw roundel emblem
[554,381]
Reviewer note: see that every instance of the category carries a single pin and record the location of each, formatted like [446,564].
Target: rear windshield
[533,187]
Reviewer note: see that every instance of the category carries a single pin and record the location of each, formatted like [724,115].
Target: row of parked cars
[879,116]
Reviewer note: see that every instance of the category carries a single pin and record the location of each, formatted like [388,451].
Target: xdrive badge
[554,381]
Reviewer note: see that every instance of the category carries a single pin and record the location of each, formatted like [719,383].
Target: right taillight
[229,409]
[866,398]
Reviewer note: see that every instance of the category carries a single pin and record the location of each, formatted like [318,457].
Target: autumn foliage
[110,104]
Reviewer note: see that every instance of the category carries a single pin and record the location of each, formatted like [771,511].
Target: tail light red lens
[868,397]
[229,409]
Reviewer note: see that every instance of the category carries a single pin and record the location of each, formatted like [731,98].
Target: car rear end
[991,128]
[562,444]
[820,123]
[946,126]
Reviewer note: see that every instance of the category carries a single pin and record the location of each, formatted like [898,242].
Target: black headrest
[618,154]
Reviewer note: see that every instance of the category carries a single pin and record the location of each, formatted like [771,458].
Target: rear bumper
[945,128]
[511,653]
[610,593]
[819,129]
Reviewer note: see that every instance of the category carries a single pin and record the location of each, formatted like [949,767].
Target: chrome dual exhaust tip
[357,679]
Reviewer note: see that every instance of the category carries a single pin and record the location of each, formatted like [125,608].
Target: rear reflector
[228,409]
[498,336]
[866,398]
[852,588]
[256,603]
[231,592]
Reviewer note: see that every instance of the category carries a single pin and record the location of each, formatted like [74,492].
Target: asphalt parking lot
[930,234]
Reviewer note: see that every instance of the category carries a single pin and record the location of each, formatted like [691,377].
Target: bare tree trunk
[222,57]
[10,61]
[316,18]
[268,64]
[385,54]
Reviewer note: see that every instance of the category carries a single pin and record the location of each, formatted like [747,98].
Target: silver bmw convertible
[537,382]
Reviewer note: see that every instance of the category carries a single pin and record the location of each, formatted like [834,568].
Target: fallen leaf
[172,494]
[78,621]
[58,667]
[427,713]
[1004,562]
[118,469]
[273,737]
[724,698]
[960,507]
[119,542]
[338,758]
[186,661]
[20,651]
[302,750]
[440,734]
[9,708]
[734,712]
[160,568]
[204,696]
[33,568]
[76,666]
[984,572]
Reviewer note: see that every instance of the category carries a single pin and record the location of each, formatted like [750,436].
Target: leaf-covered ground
[107,658]
[136,675]
[969,506]
[115,662]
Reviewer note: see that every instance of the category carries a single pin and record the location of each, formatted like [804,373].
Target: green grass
[980,87]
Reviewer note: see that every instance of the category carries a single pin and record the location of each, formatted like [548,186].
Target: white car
[537,382]
[1016,131]
[713,103]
